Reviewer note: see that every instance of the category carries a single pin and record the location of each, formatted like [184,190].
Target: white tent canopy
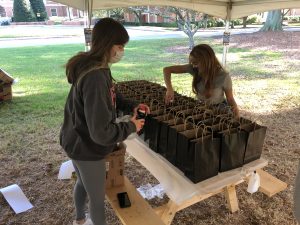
[226,9]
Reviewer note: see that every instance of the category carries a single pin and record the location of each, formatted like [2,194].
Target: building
[60,12]
[149,16]
[54,10]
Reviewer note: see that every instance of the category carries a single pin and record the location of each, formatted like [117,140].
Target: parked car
[5,21]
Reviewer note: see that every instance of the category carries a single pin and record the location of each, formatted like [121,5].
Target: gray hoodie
[89,131]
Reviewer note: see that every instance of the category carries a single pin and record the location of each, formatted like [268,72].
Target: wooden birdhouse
[6,82]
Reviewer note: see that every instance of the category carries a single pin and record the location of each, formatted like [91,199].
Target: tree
[39,9]
[138,10]
[205,19]
[117,14]
[22,11]
[245,21]
[273,22]
[186,21]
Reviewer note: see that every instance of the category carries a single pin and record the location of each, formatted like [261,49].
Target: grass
[42,87]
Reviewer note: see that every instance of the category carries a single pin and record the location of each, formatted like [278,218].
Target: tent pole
[88,8]
[226,35]
[226,40]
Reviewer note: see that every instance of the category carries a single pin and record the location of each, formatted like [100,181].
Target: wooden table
[180,190]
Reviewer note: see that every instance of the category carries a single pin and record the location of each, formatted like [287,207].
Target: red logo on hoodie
[113,95]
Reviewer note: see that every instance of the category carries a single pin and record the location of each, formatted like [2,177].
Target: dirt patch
[286,42]
[32,160]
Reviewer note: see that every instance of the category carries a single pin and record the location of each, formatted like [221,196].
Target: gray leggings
[90,182]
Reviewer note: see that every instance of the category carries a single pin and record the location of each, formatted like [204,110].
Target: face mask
[196,71]
[117,57]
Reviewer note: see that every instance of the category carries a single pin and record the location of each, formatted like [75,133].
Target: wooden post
[270,185]
[169,213]
[230,195]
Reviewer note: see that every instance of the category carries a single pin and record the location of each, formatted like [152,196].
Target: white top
[221,83]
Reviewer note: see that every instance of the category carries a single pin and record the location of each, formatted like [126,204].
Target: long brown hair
[209,65]
[106,33]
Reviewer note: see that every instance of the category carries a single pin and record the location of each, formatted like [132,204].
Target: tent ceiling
[216,8]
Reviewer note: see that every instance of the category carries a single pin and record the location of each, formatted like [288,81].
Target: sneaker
[88,221]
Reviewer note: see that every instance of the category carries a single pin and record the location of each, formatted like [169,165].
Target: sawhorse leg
[231,198]
[168,214]
[168,211]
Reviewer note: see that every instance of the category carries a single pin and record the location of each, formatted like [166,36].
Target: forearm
[234,107]
[167,78]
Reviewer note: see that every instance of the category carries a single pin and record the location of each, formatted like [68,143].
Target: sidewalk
[14,31]
[28,35]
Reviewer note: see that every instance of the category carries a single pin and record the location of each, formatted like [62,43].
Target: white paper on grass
[66,170]
[177,186]
[16,198]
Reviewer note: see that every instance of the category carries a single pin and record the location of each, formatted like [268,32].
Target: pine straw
[32,160]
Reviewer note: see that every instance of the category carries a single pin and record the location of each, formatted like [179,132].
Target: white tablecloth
[178,187]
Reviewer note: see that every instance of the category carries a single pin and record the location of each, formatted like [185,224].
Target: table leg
[231,198]
[168,214]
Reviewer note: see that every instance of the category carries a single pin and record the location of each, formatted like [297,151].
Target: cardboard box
[5,77]
[7,89]
[5,92]
[115,167]
[5,86]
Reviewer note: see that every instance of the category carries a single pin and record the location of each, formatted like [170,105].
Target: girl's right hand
[138,123]
[169,96]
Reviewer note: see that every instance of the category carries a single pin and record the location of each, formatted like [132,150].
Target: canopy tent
[225,9]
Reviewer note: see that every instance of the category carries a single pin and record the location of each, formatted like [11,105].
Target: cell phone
[124,201]
[141,114]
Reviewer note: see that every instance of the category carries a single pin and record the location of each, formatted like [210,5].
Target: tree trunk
[141,18]
[191,42]
[245,21]
[273,22]
[232,25]
[69,13]
[205,20]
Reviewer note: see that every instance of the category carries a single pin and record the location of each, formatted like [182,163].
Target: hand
[142,107]
[169,96]
[138,123]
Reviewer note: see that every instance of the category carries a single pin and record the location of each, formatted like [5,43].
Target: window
[53,12]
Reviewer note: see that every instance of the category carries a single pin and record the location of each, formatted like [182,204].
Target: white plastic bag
[149,192]
[254,183]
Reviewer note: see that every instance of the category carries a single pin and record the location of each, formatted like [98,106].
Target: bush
[252,20]
[220,23]
[237,22]
[161,24]
[150,24]
[211,23]
[293,18]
